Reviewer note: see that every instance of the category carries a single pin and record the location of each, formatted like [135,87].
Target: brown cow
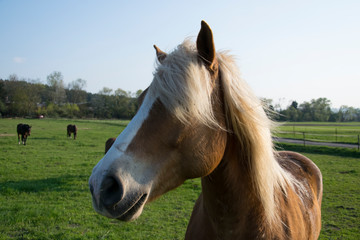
[24,130]
[109,143]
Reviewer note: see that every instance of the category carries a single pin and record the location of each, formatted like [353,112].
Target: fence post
[294,130]
[358,142]
[304,138]
[335,134]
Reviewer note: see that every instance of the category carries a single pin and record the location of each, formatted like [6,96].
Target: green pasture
[325,132]
[44,188]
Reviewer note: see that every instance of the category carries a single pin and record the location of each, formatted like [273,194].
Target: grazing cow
[23,130]
[109,143]
[71,129]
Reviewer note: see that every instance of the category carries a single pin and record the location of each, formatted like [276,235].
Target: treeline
[31,98]
[317,110]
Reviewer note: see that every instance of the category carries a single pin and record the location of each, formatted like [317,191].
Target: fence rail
[332,140]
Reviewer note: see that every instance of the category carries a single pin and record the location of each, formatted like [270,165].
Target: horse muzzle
[112,199]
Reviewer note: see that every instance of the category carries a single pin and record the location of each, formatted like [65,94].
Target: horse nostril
[111,191]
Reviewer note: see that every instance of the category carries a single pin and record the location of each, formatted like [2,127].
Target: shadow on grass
[342,152]
[60,184]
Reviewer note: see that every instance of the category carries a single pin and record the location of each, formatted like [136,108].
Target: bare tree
[105,91]
[76,93]
[78,84]
[56,81]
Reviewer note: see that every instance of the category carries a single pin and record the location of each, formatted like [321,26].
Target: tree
[138,93]
[32,98]
[294,104]
[101,106]
[348,114]
[105,91]
[75,92]
[120,92]
[316,110]
[321,109]
[14,77]
[292,114]
[78,84]
[18,97]
[70,110]
[56,83]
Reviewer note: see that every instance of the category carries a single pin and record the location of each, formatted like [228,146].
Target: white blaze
[117,152]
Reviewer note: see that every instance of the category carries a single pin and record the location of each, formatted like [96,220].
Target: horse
[24,131]
[199,119]
[71,129]
[109,143]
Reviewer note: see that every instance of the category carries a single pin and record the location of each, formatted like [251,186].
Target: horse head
[177,134]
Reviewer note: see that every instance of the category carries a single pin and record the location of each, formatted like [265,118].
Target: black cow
[23,130]
[71,129]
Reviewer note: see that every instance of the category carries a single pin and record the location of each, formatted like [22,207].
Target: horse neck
[229,200]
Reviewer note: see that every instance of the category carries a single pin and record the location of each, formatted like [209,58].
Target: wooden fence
[322,134]
[308,138]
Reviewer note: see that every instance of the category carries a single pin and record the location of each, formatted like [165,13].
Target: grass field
[325,132]
[44,188]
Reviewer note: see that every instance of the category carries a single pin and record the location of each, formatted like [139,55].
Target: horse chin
[129,218]
[128,211]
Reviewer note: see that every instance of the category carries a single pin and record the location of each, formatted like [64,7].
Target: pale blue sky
[286,50]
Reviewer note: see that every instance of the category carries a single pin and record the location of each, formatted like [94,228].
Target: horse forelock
[184,85]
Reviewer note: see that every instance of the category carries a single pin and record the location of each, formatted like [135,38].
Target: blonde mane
[246,115]
[184,86]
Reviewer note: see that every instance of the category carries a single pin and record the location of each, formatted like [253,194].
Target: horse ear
[205,46]
[160,54]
